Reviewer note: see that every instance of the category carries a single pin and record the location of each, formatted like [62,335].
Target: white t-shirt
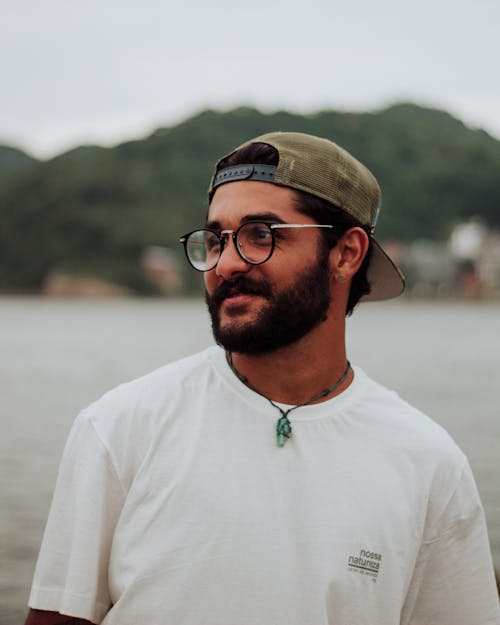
[174,506]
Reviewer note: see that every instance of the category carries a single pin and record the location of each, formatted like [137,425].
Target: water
[58,356]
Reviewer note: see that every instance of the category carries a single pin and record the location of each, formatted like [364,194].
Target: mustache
[241,285]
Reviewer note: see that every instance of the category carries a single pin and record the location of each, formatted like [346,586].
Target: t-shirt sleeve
[453,581]
[71,572]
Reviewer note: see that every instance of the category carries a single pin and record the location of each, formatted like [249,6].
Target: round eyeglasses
[254,241]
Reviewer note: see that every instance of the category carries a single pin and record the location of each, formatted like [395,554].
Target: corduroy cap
[324,169]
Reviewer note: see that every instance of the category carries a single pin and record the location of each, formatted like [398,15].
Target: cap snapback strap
[264,173]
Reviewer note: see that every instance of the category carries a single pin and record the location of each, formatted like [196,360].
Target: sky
[105,71]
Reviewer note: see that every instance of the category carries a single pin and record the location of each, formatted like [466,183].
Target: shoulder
[405,430]
[148,391]
[128,419]
[388,410]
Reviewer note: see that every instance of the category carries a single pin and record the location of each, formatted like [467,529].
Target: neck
[293,374]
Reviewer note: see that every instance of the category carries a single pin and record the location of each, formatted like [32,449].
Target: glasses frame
[223,235]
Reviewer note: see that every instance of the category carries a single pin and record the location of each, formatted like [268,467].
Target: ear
[346,257]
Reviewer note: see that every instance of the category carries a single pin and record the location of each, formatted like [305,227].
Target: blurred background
[112,115]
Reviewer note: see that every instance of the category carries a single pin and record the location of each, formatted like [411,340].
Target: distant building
[162,268]
[467,265]
[476,250]
[431,269]
[61,284]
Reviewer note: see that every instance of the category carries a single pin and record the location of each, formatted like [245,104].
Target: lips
[238,292]
[237,297]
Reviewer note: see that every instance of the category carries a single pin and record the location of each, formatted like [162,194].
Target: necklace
[284,427]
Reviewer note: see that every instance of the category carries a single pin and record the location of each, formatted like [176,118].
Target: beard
[286,317]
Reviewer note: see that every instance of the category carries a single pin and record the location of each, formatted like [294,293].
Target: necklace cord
[284,427]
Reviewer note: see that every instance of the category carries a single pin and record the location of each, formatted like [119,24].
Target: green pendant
[283,430]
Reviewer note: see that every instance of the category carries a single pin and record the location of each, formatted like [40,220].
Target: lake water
[58,356]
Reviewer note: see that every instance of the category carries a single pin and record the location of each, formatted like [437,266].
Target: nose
[230,262]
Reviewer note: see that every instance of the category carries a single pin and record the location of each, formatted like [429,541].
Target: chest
[323,516]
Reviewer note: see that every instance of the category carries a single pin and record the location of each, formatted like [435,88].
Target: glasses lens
[255,242]
[203,249]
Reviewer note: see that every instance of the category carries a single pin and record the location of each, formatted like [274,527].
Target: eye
[212,241]
[258,234]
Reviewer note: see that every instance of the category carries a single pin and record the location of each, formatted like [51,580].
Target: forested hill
[93,210]
[13,160]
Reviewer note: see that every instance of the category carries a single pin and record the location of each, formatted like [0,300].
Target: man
[266,481]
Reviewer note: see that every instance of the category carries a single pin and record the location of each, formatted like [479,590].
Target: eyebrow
[272,217]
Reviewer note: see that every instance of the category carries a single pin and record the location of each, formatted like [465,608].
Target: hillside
[93,210]
[13,160]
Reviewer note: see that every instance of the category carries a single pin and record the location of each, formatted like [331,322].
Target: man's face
[260,308]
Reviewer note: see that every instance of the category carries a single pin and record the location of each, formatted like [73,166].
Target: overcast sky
[101,71]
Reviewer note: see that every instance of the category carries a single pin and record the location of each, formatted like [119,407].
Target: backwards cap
[324,169]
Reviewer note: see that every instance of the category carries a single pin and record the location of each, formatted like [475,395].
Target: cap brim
[385,279]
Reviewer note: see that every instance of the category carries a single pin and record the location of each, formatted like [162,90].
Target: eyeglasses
[254,241]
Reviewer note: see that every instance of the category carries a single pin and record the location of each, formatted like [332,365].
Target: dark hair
[320,210]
